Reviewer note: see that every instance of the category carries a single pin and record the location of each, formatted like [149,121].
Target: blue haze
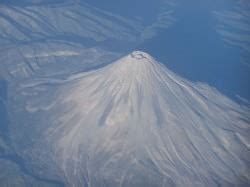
[189,46]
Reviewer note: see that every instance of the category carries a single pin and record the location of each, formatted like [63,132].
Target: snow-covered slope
[75,21]
[47,38]
[133,123]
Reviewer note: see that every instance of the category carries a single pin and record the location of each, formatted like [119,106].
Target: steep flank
[135,123]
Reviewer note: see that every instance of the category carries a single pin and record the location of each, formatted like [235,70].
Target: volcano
[136,123]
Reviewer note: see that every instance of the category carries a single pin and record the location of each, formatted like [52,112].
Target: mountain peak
[141,58]
[140,55]
[137,65]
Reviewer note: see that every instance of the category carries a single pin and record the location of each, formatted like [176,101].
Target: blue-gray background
[191,46]
[204,41]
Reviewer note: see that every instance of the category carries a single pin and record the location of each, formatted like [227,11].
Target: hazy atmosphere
[126,93]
